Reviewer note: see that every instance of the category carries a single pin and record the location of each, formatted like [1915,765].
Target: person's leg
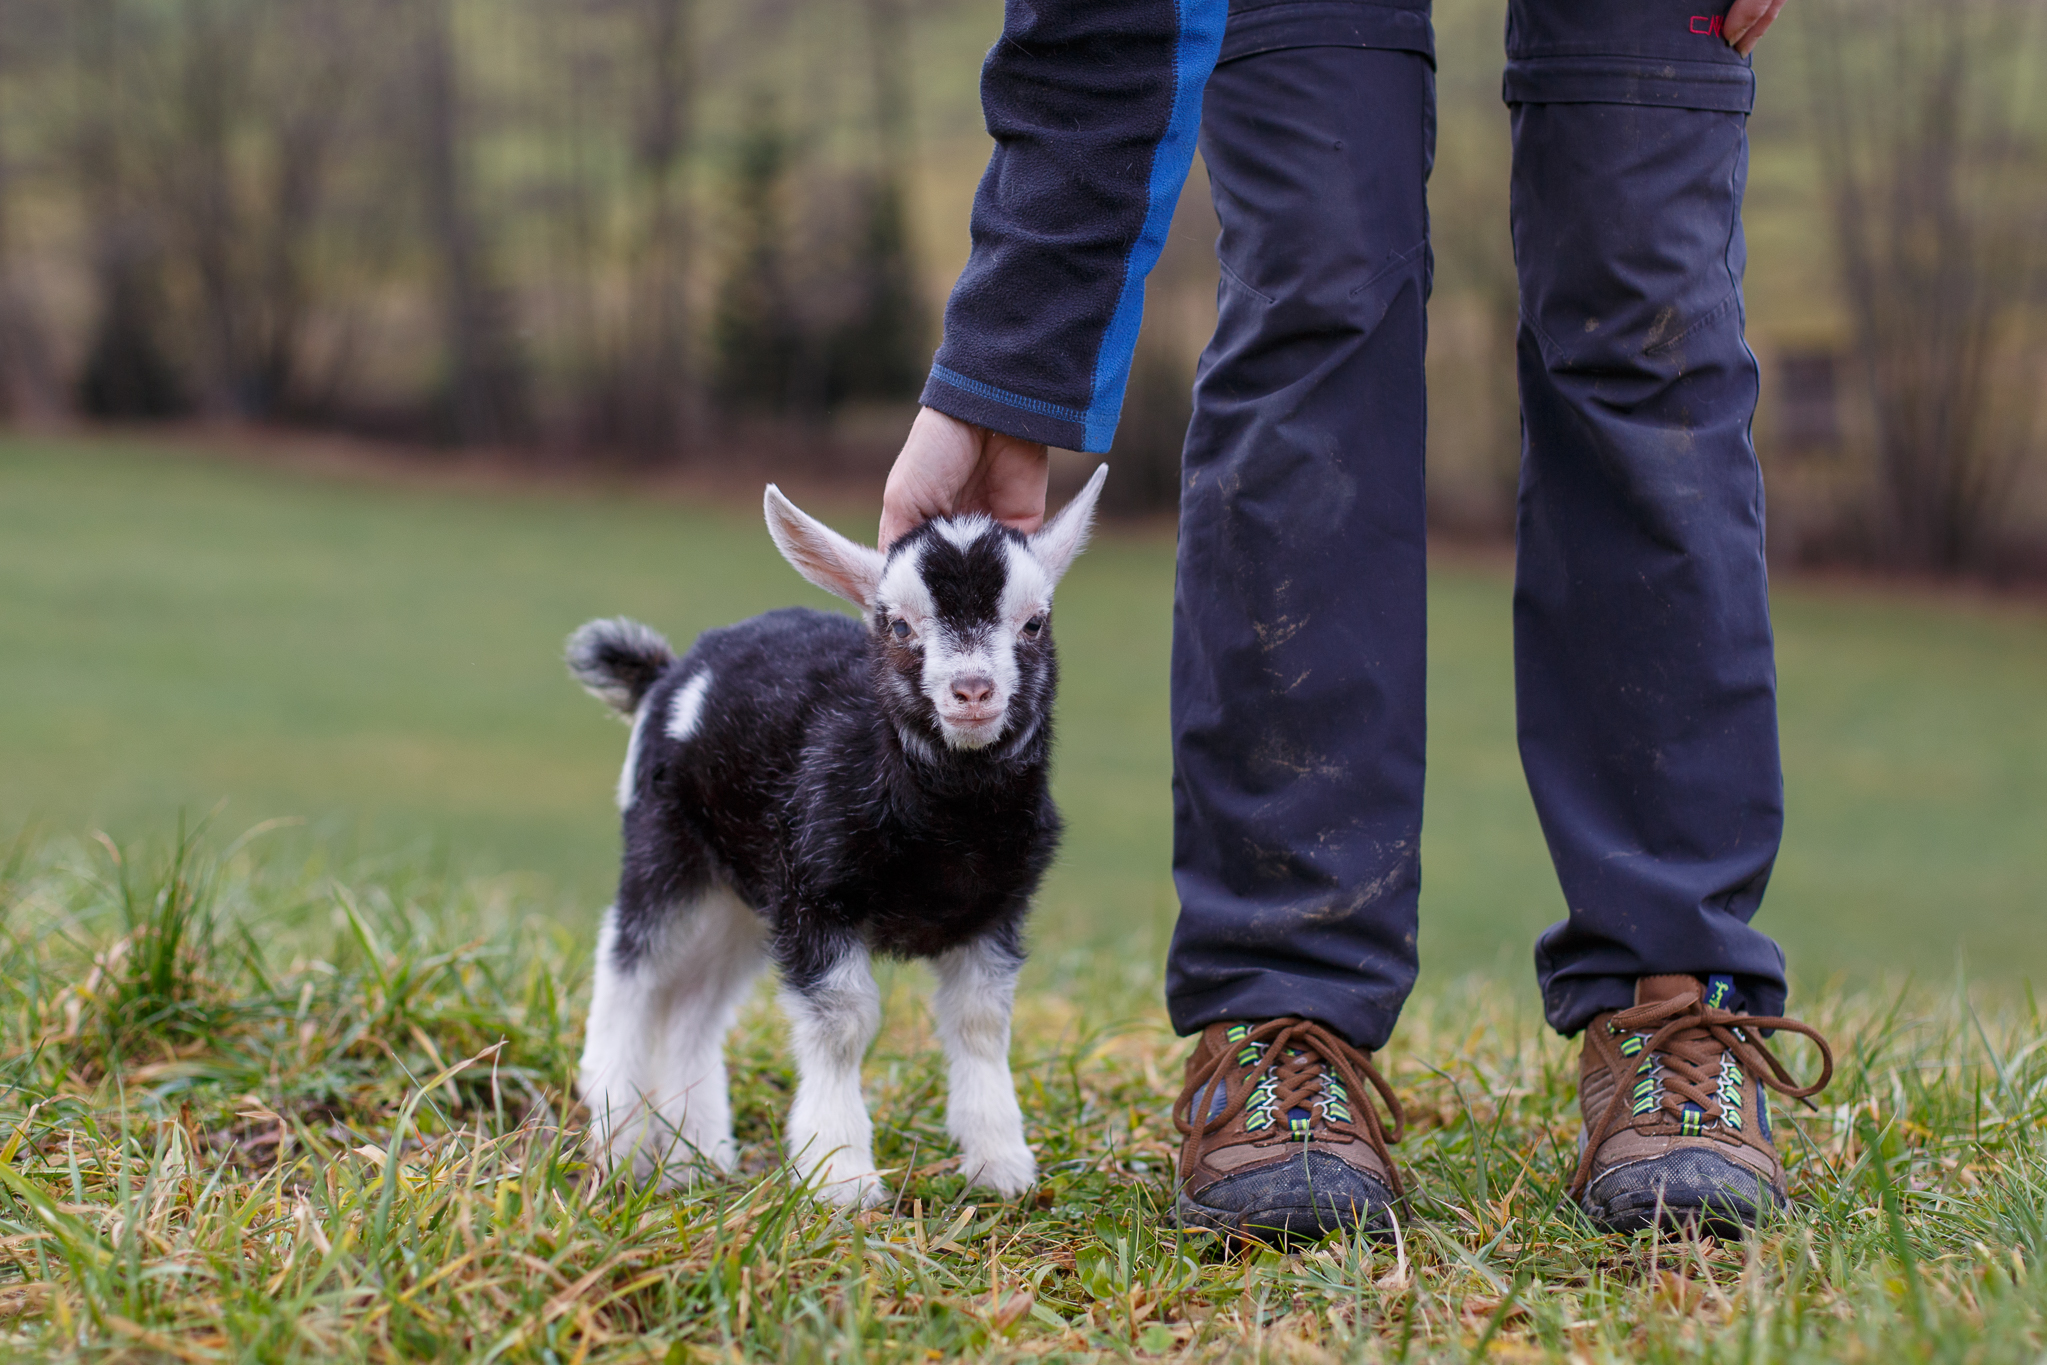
[1644,673]
[1298,645]
[1298,638]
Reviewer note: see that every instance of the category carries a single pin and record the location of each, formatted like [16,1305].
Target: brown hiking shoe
[1282,1142]
[1677,1117]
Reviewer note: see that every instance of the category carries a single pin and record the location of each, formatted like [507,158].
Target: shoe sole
[1730,1220]
[1377,1223]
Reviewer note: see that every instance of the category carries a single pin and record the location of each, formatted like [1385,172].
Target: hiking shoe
[1674,1093]
[1282,1141]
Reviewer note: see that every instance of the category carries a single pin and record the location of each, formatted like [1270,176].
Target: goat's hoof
[1008,1173]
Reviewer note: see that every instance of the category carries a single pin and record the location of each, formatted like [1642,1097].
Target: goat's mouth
[972,727]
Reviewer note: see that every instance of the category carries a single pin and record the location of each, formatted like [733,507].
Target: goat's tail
[618,660]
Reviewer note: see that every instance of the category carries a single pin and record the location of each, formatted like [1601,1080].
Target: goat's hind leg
[616,1071]
[976,993]
[653,1070]
[834,1009]
[716,959]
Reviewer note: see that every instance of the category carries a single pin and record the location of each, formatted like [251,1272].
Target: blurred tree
[265,88]
[487,398]
[28,384]
[650,394]
[127,371]
[882,350]
[757,337]
[1157,405]
[1935,162]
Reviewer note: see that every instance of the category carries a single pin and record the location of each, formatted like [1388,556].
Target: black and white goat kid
[810,790]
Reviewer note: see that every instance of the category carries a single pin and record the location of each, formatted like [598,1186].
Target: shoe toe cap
[1304,1198]
[1689,1186]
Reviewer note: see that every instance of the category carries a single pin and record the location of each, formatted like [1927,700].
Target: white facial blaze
[951,655]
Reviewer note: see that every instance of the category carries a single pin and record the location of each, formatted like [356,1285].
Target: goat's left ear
[1065,536]
[836,564]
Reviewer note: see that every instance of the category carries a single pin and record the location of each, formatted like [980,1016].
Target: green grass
[348,1137]
[303,1094]
[381,661]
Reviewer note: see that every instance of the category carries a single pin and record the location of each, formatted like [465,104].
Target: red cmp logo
[1707,25]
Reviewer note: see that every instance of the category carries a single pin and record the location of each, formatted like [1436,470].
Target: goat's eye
[900,629]
[1034,625]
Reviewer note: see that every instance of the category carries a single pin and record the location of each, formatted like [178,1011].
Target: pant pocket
[1723,87]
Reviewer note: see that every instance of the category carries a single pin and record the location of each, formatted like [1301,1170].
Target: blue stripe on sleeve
[1200,42]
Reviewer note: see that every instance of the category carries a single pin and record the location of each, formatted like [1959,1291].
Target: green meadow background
[379,659]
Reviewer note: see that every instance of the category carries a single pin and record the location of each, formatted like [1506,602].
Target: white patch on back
[686,711]
[626,774]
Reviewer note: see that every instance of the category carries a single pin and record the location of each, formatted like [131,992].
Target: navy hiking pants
[1644,674]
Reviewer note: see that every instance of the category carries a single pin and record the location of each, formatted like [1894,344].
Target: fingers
[949,467]
[1011,485]
[1748,21]
[928,477]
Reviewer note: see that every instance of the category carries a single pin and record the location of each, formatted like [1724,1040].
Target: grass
[381,661]
[252,1113]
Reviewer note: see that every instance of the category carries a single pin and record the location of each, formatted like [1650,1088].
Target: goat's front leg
[976,992]
[834,1010]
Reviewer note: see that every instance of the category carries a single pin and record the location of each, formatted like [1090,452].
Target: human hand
[948,467]
[1746,22]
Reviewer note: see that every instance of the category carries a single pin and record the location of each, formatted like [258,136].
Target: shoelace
[1691,1036]
[1297,1055]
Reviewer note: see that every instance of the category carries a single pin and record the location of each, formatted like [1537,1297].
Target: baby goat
[809,789]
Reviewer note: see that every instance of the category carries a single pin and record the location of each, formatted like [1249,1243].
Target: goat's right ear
[1065,536]
[836,564]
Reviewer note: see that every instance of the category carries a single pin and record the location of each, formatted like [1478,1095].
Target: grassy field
[302,1094]
[348,1138]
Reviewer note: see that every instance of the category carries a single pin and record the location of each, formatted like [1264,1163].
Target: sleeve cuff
[1013,414]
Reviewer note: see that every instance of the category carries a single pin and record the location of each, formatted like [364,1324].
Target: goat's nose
[974,689]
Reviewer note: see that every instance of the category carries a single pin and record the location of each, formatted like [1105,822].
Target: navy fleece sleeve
[1094,106]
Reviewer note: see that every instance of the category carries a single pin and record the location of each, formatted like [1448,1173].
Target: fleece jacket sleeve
[1094,106]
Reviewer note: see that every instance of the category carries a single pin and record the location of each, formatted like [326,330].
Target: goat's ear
[1065,536]
[822,555]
